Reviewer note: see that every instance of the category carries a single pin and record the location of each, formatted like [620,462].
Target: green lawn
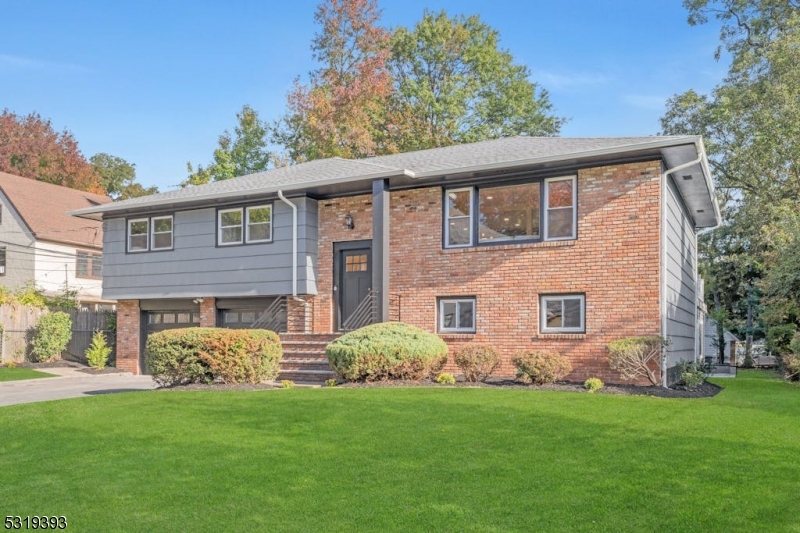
[18,373]
[436,459]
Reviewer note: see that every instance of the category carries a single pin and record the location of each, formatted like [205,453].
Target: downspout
[294,247]
[664,180]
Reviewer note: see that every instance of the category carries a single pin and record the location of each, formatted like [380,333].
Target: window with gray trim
[88,265]
[539,210]
[240,225]
[457,315]
[562,313]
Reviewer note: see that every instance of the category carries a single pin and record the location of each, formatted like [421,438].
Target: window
[560,219]
[563,313]
[240,225]
[154,233]
[137,234]
[88,265]
[162,233]
[510,213]
[259,224]
[458,221]
[2,261]
[457,315]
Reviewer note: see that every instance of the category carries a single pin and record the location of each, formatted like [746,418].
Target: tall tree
[30,147]
[453,84]
[119,177]
[341,111]
[244,153]
[751,123]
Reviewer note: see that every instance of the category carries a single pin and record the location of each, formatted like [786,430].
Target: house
[711,342]
[42,244]
[522,243]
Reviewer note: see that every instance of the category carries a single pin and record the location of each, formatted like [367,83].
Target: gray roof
[506,153]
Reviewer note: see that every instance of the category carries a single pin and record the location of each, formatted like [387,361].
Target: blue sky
[157,82]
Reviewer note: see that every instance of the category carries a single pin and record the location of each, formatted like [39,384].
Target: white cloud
[25,63]
[567,80]
[645,101]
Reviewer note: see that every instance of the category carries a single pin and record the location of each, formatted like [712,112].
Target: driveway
[70,383]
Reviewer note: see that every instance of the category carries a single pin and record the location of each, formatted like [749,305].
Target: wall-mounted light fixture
[349,222]
[198,300]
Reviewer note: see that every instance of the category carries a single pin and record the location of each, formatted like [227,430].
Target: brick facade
[614,261]
[128,335]
[208,312]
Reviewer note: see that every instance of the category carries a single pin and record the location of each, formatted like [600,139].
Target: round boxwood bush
[391,350]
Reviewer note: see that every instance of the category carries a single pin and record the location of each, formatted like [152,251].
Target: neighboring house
[711,342]
[523,243]
[41,243]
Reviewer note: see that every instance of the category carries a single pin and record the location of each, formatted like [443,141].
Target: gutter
[702,160]
[294,244]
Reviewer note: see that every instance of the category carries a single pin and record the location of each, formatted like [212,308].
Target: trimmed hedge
[540,367]
[391,350]
[206,355]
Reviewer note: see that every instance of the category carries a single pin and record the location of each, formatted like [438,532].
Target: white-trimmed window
[138,234]
[259,223]
[154,233]
[230,226]
[562,313]
[457,315]
[560,216]
[161,238]
[244,225]
[538,210]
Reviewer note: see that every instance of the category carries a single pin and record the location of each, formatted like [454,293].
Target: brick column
[128,335]
[208,312]
[299,316]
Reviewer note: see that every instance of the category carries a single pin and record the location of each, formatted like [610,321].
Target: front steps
[304,359]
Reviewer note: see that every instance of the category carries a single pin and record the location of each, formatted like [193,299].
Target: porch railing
[366,312]
[274,317]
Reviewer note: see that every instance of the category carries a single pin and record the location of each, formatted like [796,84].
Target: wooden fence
[19,323]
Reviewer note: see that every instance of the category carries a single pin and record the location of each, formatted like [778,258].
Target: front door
[352,275]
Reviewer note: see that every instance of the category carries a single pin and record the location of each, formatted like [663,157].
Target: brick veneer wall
[614,261]
[128,335]
[208,312]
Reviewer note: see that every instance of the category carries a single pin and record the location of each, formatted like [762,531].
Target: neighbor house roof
[337,176]
[44,209]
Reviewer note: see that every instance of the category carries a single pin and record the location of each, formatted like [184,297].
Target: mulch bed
[706,390]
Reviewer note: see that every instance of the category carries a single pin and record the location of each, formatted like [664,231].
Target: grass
[437,459]
[18,373]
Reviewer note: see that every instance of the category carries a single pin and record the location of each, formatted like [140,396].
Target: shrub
[692,373]
[790,362]
[446,378]
[330,382]
[477,362]
[287,384]
[633,357]
[97,353]
[51,336]
[540,367]
[204,355]
[391,350]
[593,384]
[779,338]
[10,364]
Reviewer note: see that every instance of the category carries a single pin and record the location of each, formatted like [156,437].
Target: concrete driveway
[70,383]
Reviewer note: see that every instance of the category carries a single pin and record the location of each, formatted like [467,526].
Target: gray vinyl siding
[19,245]
[680,283]
[197,267]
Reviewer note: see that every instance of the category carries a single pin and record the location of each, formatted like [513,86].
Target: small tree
[634,357]
[98,352]
[51,336]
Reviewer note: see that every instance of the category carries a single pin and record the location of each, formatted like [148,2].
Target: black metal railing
[274,317]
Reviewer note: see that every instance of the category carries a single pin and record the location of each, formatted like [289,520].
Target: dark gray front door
[353,275]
